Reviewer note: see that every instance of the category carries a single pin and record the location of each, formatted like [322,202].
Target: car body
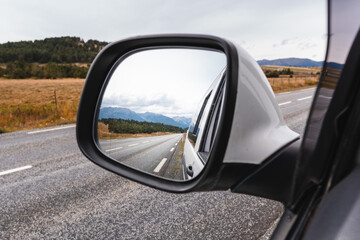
[199,138]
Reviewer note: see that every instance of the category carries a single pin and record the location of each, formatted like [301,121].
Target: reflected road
[150,154]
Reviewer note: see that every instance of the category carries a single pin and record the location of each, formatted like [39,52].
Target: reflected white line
[113,149]
[172,149]
[15,170]
[160,165]
[284,103]
[133,144]
[300,99]
[51,129]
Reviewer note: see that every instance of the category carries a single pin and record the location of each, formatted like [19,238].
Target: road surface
[295,107]
[149,154]
[49,190]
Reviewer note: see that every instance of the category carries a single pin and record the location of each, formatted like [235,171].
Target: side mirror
[148,116]
[179,113]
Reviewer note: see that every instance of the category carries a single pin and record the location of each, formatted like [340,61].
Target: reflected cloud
[284,42]
[133,101]
[158,104]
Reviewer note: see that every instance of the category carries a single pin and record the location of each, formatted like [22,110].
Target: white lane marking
[284,103]
[160,165]
[322,96]
[281,93]
[51,129]
[300,99]
[145,142]
[291,92]
[176,144]
[15,170]
[133,144]
[113,149]
[172,149]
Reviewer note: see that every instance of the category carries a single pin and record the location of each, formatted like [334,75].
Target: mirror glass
[160,108]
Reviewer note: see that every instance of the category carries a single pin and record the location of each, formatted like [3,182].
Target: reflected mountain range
[125,113]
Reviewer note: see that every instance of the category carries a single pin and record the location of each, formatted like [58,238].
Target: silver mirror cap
[258,129]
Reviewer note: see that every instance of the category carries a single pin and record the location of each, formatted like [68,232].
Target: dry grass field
[302,77]
[36,103]
[30,103]
[296,70]
[294,83]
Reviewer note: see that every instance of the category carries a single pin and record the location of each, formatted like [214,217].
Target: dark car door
[331,140]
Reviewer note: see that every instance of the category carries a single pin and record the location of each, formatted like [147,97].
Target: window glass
[196,123]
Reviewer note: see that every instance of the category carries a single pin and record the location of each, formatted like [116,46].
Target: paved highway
[48,189]
[295,107]
[149,154]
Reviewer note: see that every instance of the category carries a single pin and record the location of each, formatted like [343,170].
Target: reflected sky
[164,81]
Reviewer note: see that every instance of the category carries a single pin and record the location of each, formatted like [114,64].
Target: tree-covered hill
[57,50]
[133,127]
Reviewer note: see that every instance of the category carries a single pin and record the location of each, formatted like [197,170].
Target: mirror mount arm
[274,178]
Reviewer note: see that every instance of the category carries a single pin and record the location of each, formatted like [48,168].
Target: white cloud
[169,81]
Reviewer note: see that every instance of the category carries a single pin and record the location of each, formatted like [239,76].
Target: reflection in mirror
[160,110]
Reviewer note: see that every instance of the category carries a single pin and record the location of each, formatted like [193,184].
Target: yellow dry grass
[294,83]
[307,70]
[30,103]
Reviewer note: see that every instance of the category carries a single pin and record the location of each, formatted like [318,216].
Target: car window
[342,30]
[196,123]
[213,122]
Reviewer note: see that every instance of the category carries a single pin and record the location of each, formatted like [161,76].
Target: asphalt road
[295,108]
[49,190]
[149,154]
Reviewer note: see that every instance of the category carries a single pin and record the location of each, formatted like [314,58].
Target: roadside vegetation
[63,57]
[56,50]
[104,133]
[41,82]
[29,103]
[291,78]
[137,127]
[291,84]
[24,70]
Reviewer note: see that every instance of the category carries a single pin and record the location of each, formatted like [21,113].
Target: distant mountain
[291,62]
[158,118]
[335,65]
[184,120]
[117,112]
[125,113]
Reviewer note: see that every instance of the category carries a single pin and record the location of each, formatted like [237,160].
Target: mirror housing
[251,128]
